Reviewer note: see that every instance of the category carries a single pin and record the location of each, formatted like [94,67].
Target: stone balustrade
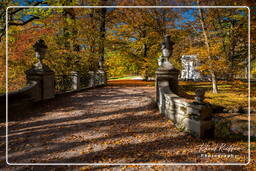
[194,117]
[41,87]
[20,99]
[75,81]
[42,83]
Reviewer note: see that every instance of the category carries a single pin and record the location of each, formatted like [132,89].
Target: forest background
[128,39]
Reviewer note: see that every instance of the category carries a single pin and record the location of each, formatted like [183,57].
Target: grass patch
[232,95]
[123,78]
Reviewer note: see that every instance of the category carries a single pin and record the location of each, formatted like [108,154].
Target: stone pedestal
[200,120]
[45,79]
[103,77]
[166,80]
[166,77]
[91,79]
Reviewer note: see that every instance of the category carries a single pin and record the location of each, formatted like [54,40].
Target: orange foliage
[24,41]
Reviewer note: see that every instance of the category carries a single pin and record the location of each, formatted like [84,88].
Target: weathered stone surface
[48,86]
[75,80]
[195,117]
[45,80]
[203,111]
[191,110]
[91,79]
[203,129]
[241,127]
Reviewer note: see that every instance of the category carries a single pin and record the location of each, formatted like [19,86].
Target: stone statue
[42,74]
[40,50]
[166,47]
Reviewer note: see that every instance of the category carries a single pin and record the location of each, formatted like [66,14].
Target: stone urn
[42,74]
[40,49]
[167,48]
[200,92]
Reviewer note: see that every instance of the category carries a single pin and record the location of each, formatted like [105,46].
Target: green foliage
[117,65]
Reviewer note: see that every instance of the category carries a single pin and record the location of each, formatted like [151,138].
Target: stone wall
[20,99]
[194,117]
[39,88]
[191,117]
[77,82]
[97,78]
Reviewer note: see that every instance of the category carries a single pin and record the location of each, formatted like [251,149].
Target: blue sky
[187,15]
[25,2]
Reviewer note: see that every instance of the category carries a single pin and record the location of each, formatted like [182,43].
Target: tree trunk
[102,30]
[214,83]
[145,50]
[246,72]
[206,40]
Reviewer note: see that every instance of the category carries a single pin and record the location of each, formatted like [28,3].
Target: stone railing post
[166,74]
[194,117]
[92,79]
[75,80]
[103,77]
[42,74]
[202,123]
[165,80]
[101,72]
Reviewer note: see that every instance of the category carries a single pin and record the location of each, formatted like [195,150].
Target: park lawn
[232,95]
[122,78]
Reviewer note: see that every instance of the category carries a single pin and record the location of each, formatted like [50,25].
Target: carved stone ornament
[166,47]
[200,92]
[40,49]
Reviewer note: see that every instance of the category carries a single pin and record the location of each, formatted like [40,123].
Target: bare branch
[23,23]
[20,9]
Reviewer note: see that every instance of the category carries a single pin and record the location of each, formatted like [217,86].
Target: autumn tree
[137,34]
[70,46]
[219,38]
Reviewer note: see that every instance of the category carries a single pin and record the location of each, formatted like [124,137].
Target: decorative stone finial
[199,95]
[40,49]
[167,47]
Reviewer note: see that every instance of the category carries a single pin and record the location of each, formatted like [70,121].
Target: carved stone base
[45,78]
[167,77]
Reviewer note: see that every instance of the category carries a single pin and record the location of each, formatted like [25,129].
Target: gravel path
[114,124]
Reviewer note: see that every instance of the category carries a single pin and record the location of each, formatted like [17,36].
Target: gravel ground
[114,124]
